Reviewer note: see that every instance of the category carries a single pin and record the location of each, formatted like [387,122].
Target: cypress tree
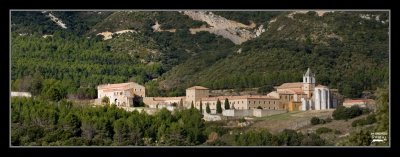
[208,110]
[219,108]
[201,107]
[226,104]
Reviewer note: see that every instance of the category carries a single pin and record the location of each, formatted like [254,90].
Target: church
[318,97]
[305,95]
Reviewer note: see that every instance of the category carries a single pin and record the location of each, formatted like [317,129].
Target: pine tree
[208,110]
[226,104]
[201,107]
[219,108]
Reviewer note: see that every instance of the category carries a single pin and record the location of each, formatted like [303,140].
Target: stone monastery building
[292,96]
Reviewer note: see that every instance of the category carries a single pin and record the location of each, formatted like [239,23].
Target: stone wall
[264,113]
[251,112]
[237,113]
[210,117]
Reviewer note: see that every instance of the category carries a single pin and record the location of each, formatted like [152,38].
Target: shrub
[321,121]
[340,113]
[365,121]
[323,130]
[315,120]
[313,140]
[337,132]
[358,122]
[328,120]
[346,113]
[370,119]
[355,111]
[241,120]
[365,111]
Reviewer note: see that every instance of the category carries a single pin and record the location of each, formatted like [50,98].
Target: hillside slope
[346,51]
[224,49]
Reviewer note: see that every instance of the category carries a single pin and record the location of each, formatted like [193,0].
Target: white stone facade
[320,98]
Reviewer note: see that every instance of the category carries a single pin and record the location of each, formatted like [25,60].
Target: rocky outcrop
[232,30]
[108,35]
[157,28]
[56,20]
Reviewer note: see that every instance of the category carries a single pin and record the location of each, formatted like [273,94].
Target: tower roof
[308,73]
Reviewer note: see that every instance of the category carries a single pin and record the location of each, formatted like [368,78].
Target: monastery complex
[292,96]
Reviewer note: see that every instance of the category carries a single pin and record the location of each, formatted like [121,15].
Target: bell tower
[308,83]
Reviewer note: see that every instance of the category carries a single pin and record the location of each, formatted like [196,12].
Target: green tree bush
[219,108]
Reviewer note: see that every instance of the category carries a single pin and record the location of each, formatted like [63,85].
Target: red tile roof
[115,87]
[292,91]
[321,86]
[291,85]
[222,98]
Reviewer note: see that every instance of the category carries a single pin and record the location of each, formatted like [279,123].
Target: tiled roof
[291,85]
[114,87]
[198,87]
[167,98]
[222,98]
[321,86]
[292,91]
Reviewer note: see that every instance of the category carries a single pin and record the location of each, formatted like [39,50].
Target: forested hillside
[351,56]
[347,50]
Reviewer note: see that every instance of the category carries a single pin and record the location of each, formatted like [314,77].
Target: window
[264,102]
[254,102]
[274,102]
[269,102]
[249,102]
[120,93]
